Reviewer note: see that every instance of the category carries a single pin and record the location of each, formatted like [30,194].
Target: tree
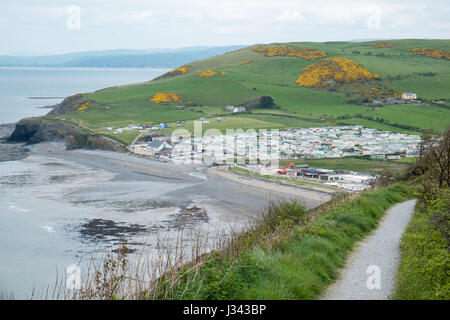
[434,160]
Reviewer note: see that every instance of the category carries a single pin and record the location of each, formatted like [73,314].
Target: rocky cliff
[35,130]
[69,104]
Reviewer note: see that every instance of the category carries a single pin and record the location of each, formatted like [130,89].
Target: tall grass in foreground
[288,253]
[6,295]
[120,275]
[424,270]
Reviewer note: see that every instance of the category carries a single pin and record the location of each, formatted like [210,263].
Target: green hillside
[244,74]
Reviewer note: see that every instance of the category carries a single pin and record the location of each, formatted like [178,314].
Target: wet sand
[214,184]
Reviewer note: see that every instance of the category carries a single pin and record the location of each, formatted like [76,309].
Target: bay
[25,91]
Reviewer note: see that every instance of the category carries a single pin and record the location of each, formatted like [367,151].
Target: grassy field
[231,122]
[290,254]
[126,137]
[418,116]
[355,164]
[244,74]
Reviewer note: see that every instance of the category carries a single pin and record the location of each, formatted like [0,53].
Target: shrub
[183,69]
[207,73]
[299,52]
[166,97]
[431,52]
[341,70]
[383,45]
[84,106]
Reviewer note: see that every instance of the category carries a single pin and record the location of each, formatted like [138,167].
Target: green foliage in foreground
[424,271]
[291,253]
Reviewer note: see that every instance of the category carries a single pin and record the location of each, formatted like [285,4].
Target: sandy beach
[302,195]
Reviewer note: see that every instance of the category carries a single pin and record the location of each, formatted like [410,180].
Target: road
[371,269]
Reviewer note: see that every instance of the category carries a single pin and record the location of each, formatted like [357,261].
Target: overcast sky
[58,26]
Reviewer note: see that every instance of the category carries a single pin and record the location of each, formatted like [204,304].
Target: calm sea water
[24,90]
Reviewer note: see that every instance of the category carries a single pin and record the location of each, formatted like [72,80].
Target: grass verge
[424,271]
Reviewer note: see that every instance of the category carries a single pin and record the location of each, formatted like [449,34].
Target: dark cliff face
[25,130]
[35,130]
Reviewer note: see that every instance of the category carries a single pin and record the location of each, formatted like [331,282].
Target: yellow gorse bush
[432,53]
[341,70]
[84,106]
[183,69]
[166,97]
[299,52]
[247,61]
[210,73]
[375,93]
[383,45]
[207,73]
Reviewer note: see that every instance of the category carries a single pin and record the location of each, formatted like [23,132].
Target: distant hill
[311,83]
[161,59]
[118,58]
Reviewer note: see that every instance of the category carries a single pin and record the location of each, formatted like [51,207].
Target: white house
[158,146]
[393,157]
[235,109]
[409,96]
[239,109]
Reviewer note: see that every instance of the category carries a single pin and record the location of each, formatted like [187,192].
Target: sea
[25,92]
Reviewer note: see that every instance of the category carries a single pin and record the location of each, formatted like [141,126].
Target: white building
[235,109]
[409,96]
[158,146]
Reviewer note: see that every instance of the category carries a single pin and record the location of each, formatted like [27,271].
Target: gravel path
[374,263]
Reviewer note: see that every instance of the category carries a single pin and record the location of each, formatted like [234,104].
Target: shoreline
[296,191]
[19,152]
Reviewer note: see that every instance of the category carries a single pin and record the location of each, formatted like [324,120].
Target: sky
[30,27]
